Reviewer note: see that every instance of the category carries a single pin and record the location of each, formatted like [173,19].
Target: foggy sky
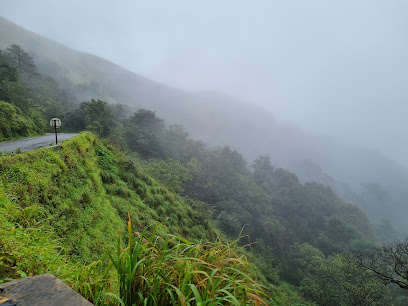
[339,68]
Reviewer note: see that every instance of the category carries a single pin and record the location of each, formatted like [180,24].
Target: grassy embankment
[61,211]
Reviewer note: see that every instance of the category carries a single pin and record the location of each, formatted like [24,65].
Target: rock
[41,290]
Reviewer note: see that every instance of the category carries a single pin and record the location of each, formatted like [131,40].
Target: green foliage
[157,270]
[337,237]
[13,124]
[70,189]
[388,263]
[37,98]
[28,244]
[177,145]
[272,178]
[95,127]
[298,223]
[21,60]
[81,188]
[67,186]
[339,281]
[94,115]
[93,281]
[143,132]
[298,261]
[7,70]
[169,172]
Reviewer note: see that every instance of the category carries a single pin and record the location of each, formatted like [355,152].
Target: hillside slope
[61,209]
[86,190]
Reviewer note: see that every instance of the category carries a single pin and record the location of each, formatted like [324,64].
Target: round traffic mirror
[55,123]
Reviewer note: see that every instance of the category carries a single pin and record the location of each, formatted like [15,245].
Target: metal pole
[55,127]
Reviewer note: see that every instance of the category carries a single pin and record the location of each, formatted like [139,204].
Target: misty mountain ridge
[218,120]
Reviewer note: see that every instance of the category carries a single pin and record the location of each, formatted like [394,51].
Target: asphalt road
[30,144]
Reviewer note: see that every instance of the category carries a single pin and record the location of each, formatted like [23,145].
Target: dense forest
[199,225]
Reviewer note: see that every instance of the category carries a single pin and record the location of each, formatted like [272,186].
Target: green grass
[28,244]
[85,191]
[159,269]
[60,212]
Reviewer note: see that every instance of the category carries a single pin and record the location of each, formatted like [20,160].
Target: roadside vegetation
[61,211]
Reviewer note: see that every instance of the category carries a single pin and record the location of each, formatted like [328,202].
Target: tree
[94,115]
[299,258]
[21,60]
[263,170]
[143,133]
[275,235]
[177,144]
[389,263]
[338,280]
[119,111]
[337,235]
[7,71]
[11,90]
[53,100]
[97,110]
[14,124]
[271,178]
[74,120]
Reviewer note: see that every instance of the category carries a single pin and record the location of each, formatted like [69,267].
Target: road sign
[55,123]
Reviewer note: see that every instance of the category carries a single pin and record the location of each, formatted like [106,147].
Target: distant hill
[217,119]
[212,117]
[208,116]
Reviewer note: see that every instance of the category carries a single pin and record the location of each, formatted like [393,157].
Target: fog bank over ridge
[335,68]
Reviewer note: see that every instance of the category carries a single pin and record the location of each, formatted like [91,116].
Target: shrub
[169,270]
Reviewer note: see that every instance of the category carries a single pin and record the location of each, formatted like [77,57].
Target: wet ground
[30,144]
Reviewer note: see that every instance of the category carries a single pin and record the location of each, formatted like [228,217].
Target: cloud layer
[336,67]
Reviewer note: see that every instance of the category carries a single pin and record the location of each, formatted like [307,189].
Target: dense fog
[336,68]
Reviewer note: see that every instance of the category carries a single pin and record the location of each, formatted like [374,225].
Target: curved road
[30,144]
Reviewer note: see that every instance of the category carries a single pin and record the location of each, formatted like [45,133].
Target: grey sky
[336,67]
